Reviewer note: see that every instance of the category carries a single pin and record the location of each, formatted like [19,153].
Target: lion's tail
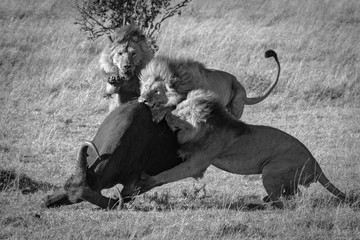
[323,180]
[255,100]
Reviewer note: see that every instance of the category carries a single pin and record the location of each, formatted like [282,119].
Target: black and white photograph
[180,119]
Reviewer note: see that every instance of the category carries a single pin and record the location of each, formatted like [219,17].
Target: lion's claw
[111,80]
[116,80]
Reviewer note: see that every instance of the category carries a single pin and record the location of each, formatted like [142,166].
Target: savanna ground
[51,101]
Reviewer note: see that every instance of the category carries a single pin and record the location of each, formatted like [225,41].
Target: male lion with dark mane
[122,59]
[208,134]
[165,82]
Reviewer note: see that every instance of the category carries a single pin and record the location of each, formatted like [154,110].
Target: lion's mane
[179,75]
[205,115]
[129,33]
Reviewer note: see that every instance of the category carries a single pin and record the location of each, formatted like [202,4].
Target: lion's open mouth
[150,104]
[158,107]
[126,73]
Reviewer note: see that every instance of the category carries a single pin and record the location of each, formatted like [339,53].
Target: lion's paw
[145,183]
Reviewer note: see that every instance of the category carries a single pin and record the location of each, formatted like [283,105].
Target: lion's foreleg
[114,102]
[192,167]
[130,190]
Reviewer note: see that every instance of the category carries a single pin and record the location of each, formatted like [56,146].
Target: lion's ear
[174,83]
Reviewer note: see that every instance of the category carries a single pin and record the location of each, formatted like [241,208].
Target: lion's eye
[119,53]
[155,92]
[133,54]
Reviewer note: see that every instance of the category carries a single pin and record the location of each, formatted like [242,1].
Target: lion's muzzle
[141,99]
[126,72]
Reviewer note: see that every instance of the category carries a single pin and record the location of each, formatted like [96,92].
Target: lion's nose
[142,100]
[127,67]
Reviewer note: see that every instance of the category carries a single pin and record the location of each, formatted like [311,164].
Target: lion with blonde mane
[125,55]
[209,135]
[165,82]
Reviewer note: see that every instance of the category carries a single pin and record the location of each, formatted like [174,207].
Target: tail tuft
[254,100]
[270,53]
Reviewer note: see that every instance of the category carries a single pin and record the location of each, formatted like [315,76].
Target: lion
[165,82]
[209,135]
[125,55]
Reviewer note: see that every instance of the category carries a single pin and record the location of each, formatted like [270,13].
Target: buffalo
[126,145]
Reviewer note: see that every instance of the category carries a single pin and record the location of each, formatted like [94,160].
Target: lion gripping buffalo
[209,135]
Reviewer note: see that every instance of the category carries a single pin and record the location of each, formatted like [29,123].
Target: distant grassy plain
[50,101]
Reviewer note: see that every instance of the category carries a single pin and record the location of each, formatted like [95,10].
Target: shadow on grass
[166,202]
[10,180]
[353,198]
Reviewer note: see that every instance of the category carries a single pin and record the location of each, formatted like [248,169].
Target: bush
[99,17]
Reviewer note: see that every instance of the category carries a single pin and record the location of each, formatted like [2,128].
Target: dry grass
[50,101]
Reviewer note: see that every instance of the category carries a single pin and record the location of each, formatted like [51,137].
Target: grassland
[50,101]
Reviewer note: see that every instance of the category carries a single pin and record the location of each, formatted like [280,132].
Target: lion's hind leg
[279,182]
[287,192]
[290,191]
[236,105]
[274,192]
